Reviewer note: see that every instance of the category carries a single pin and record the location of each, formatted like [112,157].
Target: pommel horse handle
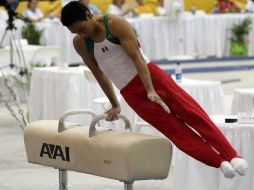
[61,125]
[93,131]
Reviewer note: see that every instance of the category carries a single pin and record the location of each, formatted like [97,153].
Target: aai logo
[54,151]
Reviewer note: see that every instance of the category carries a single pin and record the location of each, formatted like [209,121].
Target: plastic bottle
[178,73]
[193,9]
[216,8]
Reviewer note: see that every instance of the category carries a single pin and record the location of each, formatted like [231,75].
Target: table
[194,35]
[55,90]
[208,94]
[29,52]
[243,101]
[191,174]
[160,37]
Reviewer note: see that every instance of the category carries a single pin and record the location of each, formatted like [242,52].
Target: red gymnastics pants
[185,114]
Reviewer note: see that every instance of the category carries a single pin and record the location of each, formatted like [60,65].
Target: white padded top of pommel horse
[118,155]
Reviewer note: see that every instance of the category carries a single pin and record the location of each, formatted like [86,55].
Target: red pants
[185,114]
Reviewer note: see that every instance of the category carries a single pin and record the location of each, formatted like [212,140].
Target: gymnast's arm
[121,29]
[102,79]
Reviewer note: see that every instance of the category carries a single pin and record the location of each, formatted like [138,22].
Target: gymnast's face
[84,28]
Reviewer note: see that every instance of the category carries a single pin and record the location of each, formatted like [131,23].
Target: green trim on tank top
[89,43]
[109,36]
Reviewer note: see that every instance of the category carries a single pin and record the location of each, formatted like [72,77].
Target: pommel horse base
[123,156]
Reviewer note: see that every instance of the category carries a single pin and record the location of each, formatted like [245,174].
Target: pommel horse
[119,155]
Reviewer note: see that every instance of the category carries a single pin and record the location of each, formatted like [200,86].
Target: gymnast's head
[78,18]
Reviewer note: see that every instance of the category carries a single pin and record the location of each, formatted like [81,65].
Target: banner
[46,6]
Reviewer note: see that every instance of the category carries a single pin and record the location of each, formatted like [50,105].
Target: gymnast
[110,49]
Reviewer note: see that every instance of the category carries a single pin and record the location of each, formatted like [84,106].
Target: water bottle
[216,8]
[193,9]
[178,73]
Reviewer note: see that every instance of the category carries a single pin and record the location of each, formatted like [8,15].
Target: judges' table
[29,52]
[160,37]
[243,101]
[55,90]
[208,94]
[201,35]
[54,34]
[191,174]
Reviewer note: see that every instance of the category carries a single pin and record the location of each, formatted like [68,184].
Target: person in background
[94,10]
[216,8]
[32,12]
[228,6]
[119,7]
[249,8]
[160,10]
[142,8]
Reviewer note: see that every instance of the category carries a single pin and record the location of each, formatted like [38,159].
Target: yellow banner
[48,6]
[206,5]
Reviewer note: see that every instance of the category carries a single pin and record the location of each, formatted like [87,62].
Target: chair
[243,101]
[139,123]
[47,54]
[5,57]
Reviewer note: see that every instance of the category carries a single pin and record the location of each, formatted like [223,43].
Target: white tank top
[115,63]
[112,59]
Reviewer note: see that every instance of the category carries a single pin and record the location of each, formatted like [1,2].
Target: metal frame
[63,180]
[128,185]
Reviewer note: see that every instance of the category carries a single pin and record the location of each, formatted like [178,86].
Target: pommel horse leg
[128,185]
[63,180]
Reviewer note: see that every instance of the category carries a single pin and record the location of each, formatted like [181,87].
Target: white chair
[243,101]
[47,54]
[139,123]
[23,42]
[5,57]
[182,57]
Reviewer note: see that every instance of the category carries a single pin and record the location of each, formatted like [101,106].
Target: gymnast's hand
[154,97]
[112,113]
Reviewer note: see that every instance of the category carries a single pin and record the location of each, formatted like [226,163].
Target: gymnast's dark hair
[72,12]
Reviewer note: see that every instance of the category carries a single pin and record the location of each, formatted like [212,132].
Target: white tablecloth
[160,37]
[201,35]
[55,90]
[208,94]
[28,51]
[54,33]
[191,174]
[243,101]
